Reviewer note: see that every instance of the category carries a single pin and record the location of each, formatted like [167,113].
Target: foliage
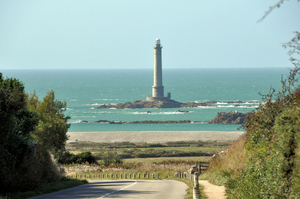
[16,123]
[69,158]
[25,164]
[111,158]
[272,144]
[51,131]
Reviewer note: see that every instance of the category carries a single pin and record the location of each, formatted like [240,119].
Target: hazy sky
[100,34]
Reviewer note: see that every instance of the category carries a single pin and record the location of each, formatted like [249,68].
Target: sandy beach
[154,136]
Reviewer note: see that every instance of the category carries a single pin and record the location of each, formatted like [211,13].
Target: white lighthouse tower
[158,88]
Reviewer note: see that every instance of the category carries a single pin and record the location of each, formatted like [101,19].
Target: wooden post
[200,168]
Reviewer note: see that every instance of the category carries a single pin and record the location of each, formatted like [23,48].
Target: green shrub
[69,158]
[111,158]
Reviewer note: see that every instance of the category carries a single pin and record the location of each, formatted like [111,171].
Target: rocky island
[228,118]
[164,104]
[138,122]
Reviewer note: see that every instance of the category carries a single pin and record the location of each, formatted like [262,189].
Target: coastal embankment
[154,136]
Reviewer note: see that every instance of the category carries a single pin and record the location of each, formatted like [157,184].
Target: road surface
[142,189]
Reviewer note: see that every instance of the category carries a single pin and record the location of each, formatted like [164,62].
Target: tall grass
[226,163]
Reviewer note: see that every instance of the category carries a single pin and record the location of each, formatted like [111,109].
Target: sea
[85,89]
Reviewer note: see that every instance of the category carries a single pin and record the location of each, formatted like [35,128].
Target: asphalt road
[142,189]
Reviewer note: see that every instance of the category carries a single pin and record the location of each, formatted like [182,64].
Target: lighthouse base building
[157,88]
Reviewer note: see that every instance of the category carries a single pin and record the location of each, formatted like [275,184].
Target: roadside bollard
[152,175]
[133,176]
[102,175]
[84,176]
[116,175]
[176,175]
[157,175]
[89,175]
[125,175]
[93,175]
[121,175]
[107,175]
[144,175]
[130,176]
[139,176]
[148,175]
[98,175]
[111,175]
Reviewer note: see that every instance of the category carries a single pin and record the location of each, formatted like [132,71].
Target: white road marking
[119,189]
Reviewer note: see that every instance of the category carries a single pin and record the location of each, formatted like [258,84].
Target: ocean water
[85,89]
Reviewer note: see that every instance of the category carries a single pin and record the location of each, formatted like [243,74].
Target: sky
[120,34]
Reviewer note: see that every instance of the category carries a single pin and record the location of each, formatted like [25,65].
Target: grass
[65,184]
[226,164]
[150,160]
[144,150]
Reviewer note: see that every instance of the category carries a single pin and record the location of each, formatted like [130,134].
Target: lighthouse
[158,88]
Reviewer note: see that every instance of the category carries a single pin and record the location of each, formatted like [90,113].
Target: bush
[111,158]
[69,158]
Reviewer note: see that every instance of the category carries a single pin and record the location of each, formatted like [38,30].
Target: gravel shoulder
[154,136]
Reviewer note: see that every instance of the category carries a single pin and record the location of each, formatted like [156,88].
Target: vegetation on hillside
[29,130]
[266,162]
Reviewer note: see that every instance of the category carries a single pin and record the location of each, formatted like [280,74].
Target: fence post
[148,175]
[133,176]
[125,175]
[157,175]
[139,176]
[121,175]
[200,168]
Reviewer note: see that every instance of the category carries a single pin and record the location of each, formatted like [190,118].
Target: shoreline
[154,136]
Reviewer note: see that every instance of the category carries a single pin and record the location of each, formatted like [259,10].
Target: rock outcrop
[166,104]
[228,118]
[151,104]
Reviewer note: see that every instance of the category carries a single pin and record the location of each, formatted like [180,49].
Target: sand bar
[154,136]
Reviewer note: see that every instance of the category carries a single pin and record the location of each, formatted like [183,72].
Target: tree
[16,124]
[51,131]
